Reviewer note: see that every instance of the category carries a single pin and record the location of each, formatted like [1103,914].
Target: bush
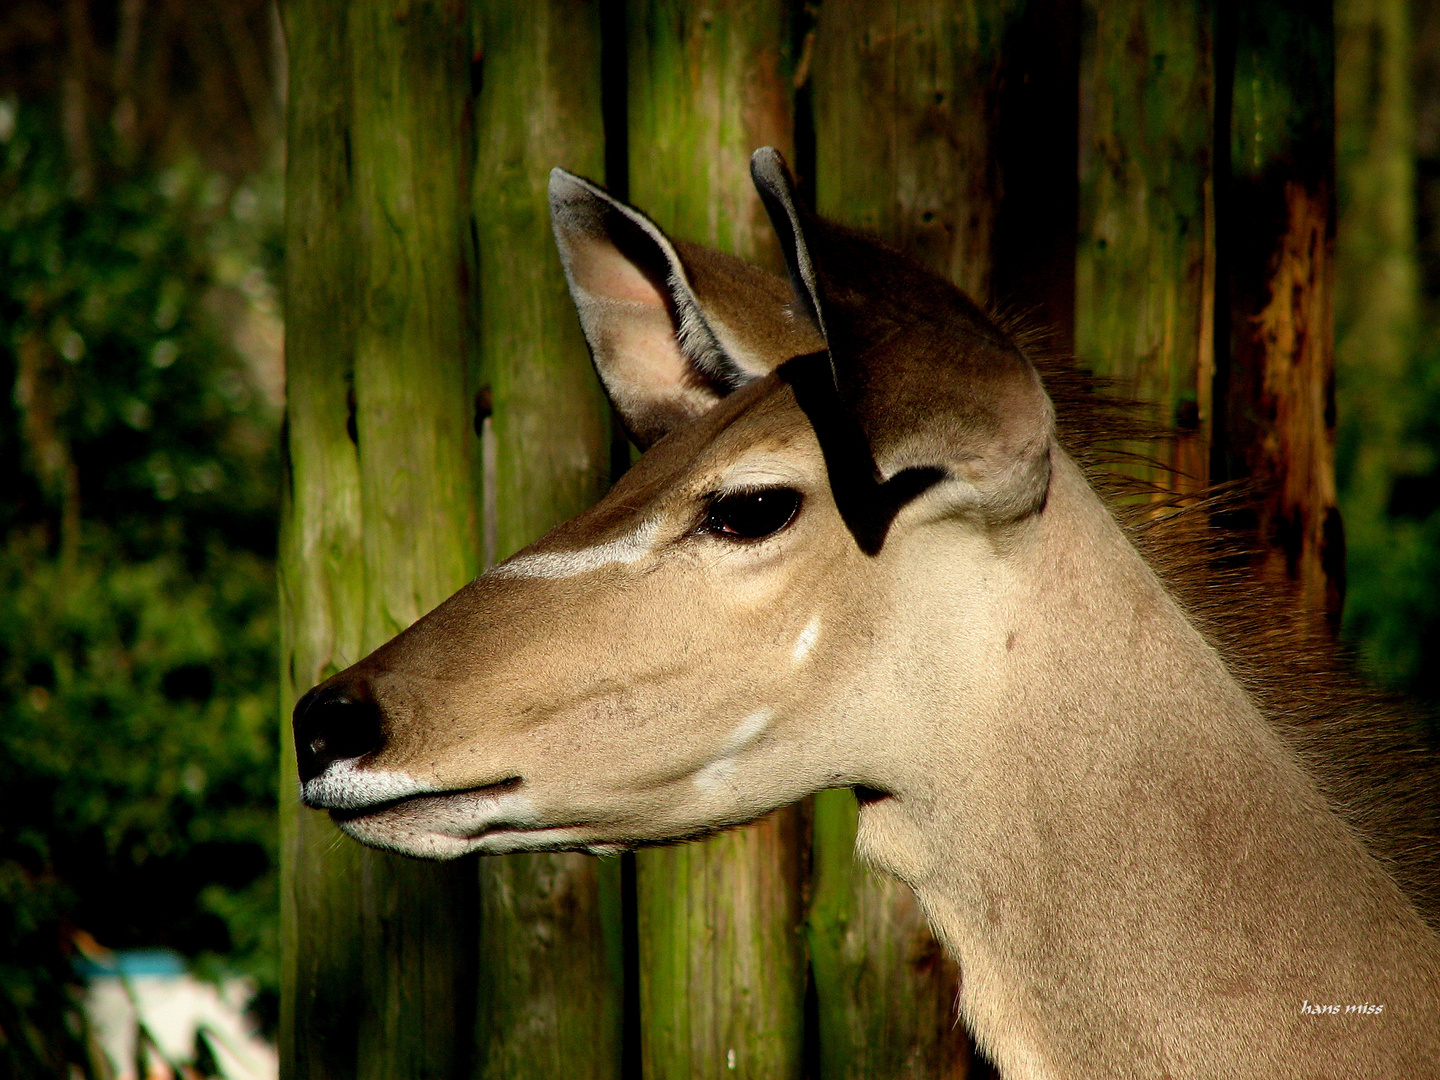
[137,597]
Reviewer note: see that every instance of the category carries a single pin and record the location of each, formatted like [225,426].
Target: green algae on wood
[905,102]
[721,956]
[550,982]
[1145,264]
[379,525]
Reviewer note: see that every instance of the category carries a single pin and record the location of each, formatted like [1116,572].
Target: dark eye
[749,515]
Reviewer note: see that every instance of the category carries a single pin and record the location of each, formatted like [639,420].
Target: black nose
[331,725]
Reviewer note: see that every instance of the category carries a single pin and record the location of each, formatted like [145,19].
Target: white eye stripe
[564,564]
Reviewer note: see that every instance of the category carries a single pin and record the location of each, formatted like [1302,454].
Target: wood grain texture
[1280,240]
[551,974]
[379,525]
[1145,270]
[708,84]
[905,100]
[885,990]
[722,967]
[320,571]
[907,108]
[722,970]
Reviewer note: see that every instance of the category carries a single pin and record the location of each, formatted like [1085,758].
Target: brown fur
[1370,751]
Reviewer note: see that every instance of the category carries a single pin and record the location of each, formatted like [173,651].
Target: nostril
[331,726]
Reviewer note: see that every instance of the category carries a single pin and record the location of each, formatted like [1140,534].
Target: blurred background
[141,342]
[141,158]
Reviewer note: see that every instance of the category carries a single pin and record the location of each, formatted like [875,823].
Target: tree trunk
[1278,237]
[722,968]
[1145,265]
[379,523]
[551,970]
[906,100]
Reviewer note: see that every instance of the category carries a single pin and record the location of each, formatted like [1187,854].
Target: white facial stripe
[343,786]
[564,564]
[714,774]
[806,641]
[746,732]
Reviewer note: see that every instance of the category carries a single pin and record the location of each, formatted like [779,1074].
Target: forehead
[745,440]
[755,422]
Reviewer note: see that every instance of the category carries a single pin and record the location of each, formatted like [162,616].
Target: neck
[1135,873]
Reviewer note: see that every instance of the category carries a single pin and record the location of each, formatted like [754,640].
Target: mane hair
[1372,754]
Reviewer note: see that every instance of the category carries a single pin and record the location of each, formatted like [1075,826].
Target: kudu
[858,552]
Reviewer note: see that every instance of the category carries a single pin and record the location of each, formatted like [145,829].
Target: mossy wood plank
[410,142]
[1278,233]
[320,570]
[722,970]
[1145,265]
[906,102]
[885,990]
[380,524]
[551,982]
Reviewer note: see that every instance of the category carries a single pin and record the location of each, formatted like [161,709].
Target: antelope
[863,548]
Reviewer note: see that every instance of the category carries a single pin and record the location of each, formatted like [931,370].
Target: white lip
[417,841]
[459,815]
[344,786]
[394,810]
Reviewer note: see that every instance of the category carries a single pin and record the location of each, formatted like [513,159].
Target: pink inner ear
[644,358]
[628,322]
[601,270]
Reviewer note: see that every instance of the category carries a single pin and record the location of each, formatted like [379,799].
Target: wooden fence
[1151,179]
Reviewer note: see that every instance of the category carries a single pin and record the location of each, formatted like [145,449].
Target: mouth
[396,813]
[342,814]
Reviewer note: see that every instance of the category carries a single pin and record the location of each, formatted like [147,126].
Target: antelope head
[720,635]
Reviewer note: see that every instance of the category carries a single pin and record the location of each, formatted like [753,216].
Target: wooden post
[379,523]
[1278,236]
[722,970]
[550,980]
[1145,264]
[905,102]
[320,569]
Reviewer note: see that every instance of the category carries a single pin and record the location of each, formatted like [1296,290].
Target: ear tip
[769,171]
[564,183]
[575,200]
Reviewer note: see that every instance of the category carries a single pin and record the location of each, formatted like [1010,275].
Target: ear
[672,327]
[944,406]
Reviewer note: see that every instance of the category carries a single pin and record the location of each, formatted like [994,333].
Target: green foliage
[137,614]
[1390,495]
